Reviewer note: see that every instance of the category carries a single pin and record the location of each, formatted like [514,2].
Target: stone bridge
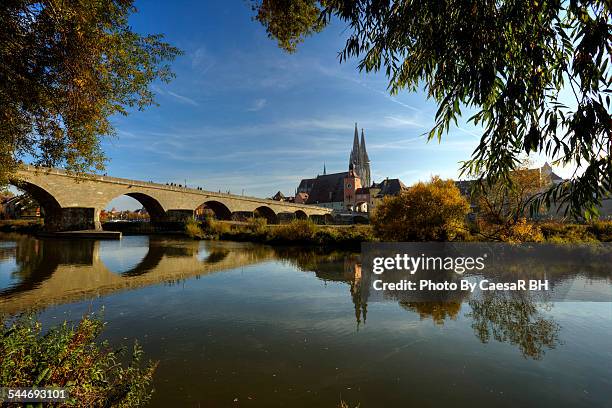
[74,202]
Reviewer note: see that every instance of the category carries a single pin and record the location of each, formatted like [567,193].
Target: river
[235,324]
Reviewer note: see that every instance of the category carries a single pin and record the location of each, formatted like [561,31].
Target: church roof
[327,188]
[390,187]
[306,185]
[278,196]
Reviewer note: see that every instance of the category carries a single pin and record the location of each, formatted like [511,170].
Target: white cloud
[258,104]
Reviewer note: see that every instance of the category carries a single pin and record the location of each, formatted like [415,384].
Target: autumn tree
[66,68]
[433,211]
[537,74]
[502,204]
[504,212]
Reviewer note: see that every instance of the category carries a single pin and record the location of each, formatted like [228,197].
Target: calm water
[246,325]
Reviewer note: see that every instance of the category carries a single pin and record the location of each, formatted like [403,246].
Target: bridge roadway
[72,203]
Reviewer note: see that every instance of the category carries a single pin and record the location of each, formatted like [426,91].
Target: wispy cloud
[337,73]
[202,61]
[183,98]
[396,121]
[258,104]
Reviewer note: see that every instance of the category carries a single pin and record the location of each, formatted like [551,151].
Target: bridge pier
[72,219]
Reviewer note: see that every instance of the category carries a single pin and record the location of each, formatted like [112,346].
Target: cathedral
[359,161]
[351,190]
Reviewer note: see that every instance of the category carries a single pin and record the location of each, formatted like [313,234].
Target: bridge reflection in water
[51,272]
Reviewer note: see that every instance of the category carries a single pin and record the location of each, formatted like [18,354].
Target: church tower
[352,183]
[359,161]
[365,162]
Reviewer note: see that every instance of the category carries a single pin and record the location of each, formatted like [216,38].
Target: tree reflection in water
[516,319]
[437,311]
[509,317]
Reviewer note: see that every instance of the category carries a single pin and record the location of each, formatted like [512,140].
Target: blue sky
[244,115]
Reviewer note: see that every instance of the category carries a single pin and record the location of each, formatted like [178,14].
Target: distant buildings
[350,190]
[19,206]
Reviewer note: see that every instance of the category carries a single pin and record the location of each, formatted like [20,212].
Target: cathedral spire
[363,152]
[355,153]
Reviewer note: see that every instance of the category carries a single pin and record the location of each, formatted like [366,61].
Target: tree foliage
[502,205]
[71,357]
[67,67]
[433,211]
[511,61]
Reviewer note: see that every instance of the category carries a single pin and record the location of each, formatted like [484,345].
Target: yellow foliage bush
[522,231]
[433,211]
[296,230]
[257,225]
[193,229]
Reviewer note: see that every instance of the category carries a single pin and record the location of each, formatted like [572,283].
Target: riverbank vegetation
[303,232]
[297,232]
[72,356]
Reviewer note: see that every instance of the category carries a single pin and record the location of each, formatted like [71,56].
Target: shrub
[213,228]
[296,231]
[558,232]
[433,211]
[193,230]
[218,228]
[522,231]
[602,230]
[70,356]
[257,225]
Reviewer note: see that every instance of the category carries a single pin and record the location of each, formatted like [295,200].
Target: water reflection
[53,271]
[47,272]
[508,317]
[514,317]
[439,312]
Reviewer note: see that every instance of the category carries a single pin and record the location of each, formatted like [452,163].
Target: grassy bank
[298,232]
[305,232]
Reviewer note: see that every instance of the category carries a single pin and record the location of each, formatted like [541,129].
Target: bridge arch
[266,212]
[154,208]
[300,215]
[51,208]
[220,210]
